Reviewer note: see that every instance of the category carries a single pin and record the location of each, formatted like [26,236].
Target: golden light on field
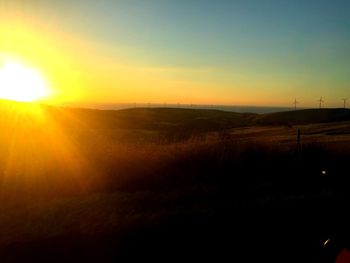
[36,146]
[21,83]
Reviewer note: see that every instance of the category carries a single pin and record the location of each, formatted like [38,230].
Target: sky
[239,52]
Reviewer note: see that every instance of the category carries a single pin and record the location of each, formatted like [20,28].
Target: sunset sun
[21,83]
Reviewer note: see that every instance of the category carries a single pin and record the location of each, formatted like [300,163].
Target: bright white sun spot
[21,83]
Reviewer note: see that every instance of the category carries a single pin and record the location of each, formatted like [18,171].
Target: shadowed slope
[305,116]
[174,119]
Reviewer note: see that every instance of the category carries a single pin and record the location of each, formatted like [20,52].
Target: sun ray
[39,154]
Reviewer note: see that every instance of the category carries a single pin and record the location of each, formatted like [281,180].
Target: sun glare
[21,83]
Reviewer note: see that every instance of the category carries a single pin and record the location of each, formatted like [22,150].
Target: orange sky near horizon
[77,70]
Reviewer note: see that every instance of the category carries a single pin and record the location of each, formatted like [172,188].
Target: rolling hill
[168,120]
[196,119]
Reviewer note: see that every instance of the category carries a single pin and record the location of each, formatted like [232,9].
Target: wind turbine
[295,104]
[345,100]
[320,101]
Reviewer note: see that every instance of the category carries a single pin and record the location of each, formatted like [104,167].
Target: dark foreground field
[167,184]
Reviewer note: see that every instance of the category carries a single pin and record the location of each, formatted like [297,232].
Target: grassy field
[163,184]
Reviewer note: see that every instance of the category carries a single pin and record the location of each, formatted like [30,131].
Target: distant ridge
[229,108]
[234,119]
[174,119]
[210,119]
